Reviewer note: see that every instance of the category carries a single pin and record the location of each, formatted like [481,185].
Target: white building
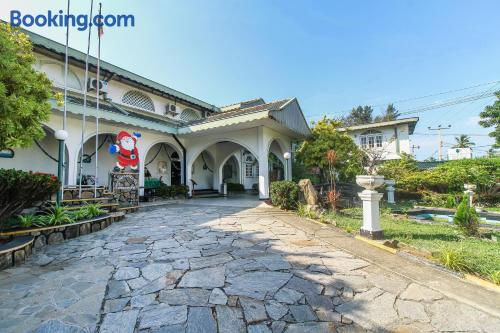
[459,153]
[391,137]
[184,140]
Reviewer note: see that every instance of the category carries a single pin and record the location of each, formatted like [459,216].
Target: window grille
[138,99]
[189,115]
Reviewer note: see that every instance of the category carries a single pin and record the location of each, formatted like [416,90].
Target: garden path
[208,266]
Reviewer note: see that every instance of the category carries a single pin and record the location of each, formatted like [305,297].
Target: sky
[331,55]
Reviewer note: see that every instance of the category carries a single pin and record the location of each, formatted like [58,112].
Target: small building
[391,137]
[459,153]
[183,140]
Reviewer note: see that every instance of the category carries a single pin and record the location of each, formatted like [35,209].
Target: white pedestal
[371,214]
[390,190]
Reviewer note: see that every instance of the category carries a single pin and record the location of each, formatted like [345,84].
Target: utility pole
[440,140]
[413,147]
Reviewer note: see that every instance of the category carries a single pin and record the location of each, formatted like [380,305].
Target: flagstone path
[217,268]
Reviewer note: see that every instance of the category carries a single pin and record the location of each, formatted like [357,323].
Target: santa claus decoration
[126,148]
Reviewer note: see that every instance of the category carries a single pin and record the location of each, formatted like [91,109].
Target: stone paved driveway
[215,268]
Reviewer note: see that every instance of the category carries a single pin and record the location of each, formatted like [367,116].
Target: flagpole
[60,164]
[85,103]
[97,102]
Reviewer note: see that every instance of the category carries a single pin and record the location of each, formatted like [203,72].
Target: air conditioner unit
[173,108]
[103,85]
[170,109]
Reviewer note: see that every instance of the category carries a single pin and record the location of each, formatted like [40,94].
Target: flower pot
[370,182]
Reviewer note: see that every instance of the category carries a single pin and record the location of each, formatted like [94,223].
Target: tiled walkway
[213,266]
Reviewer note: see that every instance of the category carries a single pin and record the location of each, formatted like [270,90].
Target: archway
[231,170]
[163,162]
[41,156]
[277,163]
[202,172]
[105,161]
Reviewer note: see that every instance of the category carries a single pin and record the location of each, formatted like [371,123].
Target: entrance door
[175,173]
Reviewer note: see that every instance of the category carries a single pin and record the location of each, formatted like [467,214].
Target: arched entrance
[105,161]
[277,163]
[231,170]
[41,156]
[163,162]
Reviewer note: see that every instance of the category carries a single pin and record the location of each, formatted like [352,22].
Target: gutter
[184,176]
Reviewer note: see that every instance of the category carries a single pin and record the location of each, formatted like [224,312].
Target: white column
[371,213]
[263,165]
[142,162]
[390,190]
[72,166]
[469,192]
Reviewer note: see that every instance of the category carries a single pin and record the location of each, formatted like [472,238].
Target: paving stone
[204,278]
[253,310]
[328,315]
[411,310]
[197,263]
[259,328]
[273,262]
[117,289]
[319,269]
[163,315]
[304,286]
[288,296]
[275,309]
[201,320]
[185,296]
[165,244]
[218,297]
[141,301]
[178,328]
[181,264]
[447,315]
[155,270]
[256,284]
[44,260]
[278,326]
[137,283]
[152,287]
[356,329]
[302,313]
[115,305]
[57,326]
[123,322]
[230,319]
[319,302]
[417,292]
[315,327]
[126,273]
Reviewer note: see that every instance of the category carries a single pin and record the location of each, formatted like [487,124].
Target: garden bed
[21,242]
[441,242]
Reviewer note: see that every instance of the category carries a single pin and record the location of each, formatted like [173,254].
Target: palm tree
[463,141]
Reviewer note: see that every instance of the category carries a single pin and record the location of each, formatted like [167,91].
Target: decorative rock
[115,305]
[311,327]
[141,301]
[96,227]
[123,322]
[5,260]
[253,310]
[126,273]
[71,232]
[276,310]
[163,315]
[230,320]
[40,241]
[417,292]
[411,310]
[117,289]
[185,296]
[307,192]
[55,237]
[257,284]
[19,257]
[84,228]
[156,270]
[204,278]
[201,320]
[217,297]
[302,313]
[288,296]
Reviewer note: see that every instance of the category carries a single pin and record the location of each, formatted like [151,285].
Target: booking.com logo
[82,21]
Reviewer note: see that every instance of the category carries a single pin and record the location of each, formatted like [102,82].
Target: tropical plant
[24,92]
[26,221]
[80,214]
[453,259]
[57,216]
[93,210]
[284,194]
[490,117]
[466,218]
[303,211]
[325,136]
[20,190]
[463,141]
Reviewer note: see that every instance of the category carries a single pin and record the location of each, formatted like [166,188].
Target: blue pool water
[449,218]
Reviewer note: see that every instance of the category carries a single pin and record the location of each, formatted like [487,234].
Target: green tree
[391,113]
[463,141]
[24,92]
[359,115]
[325,136]
[490,117]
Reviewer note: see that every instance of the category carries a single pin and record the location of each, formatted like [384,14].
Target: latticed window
[248,170]
[139,100]
[189,115]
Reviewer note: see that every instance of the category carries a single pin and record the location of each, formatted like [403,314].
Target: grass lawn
[493,209]
[445,242]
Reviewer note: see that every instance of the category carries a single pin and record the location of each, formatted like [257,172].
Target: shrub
[20,190]
[302,211]
[466,218]
[453,259]
[92,210]
[57,216]
[284,194]
[167,192]
[181,190]
[26,221]
[235,187]
[80,214]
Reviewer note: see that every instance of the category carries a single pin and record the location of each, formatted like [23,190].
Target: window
[371,139]
[139,100]
[189,115]
[249,170]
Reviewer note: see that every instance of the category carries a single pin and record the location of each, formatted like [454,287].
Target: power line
[450,134]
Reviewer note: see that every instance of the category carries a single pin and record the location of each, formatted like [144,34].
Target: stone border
[39,237]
